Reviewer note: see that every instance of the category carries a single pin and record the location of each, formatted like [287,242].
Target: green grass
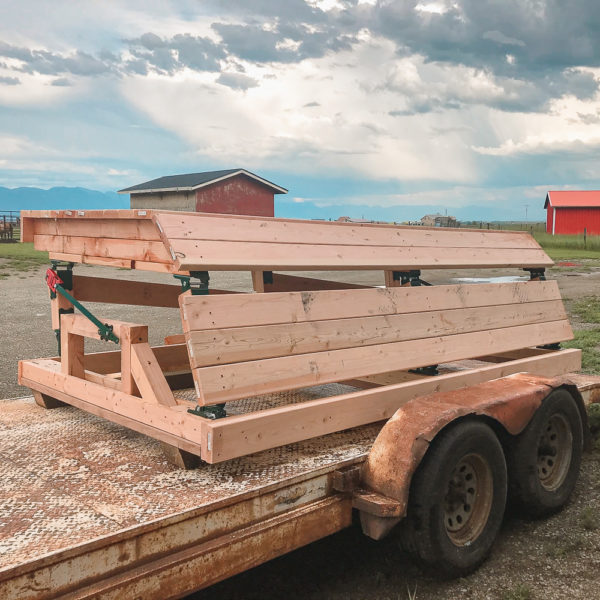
[587,340]
[19,257]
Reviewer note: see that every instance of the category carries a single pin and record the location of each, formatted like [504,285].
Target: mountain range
[31,198]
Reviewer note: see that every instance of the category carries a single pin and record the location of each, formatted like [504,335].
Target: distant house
[570,212]
[232,191]
[438,220]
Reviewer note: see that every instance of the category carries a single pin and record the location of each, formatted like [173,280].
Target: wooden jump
[249,350]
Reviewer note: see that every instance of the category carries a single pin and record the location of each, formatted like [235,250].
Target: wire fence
[10,226]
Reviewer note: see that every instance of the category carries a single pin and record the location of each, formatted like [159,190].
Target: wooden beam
[293,283]
[121,291]
[245,434]
[142,250]
[193,255]
[168,424]
[223,383]
[148,376]
[237,344]
[243,310]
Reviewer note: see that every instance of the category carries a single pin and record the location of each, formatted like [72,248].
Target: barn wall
[549,215]
[573,220]
[165,201]
[238,195]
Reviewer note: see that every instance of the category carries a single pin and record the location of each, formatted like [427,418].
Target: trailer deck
[71,512]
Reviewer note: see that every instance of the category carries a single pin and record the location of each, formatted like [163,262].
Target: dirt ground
[552,559]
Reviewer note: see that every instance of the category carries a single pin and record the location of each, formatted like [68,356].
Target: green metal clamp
[199,288]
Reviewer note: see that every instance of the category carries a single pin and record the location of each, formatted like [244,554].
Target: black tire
[544,459]
[451,525]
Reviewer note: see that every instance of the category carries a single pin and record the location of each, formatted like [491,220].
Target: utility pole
[526,207]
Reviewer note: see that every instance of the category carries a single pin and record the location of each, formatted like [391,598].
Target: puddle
[503,279]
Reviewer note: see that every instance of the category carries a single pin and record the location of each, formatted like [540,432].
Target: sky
[478,106]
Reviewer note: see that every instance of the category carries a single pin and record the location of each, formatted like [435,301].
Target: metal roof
[192,181]
[573,199]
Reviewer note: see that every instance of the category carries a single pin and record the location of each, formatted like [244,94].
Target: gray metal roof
[192,181]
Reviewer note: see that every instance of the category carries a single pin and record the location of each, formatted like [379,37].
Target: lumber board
[132,229]
[223,383]
[222,346]
[236,256]
[121,291]
[245,434]
[171,358]
[244,310]
[293,283]
[148,376]
[141,250]
[168,424]
[190,226]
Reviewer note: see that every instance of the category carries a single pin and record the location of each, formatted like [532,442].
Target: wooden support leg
[180,458]
[46,401]
[257,281]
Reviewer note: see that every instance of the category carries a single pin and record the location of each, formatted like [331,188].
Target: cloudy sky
[461,103]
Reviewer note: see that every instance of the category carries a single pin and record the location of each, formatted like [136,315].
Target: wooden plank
[168,424]
[120,291]
[148,376]
[293,283]
[103,247]
[171,358]
[239,256]
[240,380]
[71,352]
[132,229]
[192,226]
[204,312]
[221,346]
[130,336]
[119,263]
[245,434]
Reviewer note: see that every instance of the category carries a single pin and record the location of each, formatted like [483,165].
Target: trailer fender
[403,441]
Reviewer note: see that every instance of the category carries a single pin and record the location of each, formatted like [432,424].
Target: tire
[544,459]
[457,500]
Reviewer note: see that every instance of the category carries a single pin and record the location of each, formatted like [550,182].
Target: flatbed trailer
[297,404]
[112,519]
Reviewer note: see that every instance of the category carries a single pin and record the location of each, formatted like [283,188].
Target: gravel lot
[552,559]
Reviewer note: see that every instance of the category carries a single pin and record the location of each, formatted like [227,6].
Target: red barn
[232,191]
[571,212]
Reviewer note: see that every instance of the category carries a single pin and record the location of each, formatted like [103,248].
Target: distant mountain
[30,198]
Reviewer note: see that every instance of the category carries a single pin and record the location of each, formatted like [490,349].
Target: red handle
[52,279]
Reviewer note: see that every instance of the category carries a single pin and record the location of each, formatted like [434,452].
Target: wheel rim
[555,449]
[468,499]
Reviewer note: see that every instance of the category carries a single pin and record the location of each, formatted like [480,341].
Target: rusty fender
[402,443]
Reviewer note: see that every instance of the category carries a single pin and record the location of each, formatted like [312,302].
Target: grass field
[20,258]
[588,340]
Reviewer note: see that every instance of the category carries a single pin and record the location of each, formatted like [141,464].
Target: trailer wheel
[457,499]
[544,459]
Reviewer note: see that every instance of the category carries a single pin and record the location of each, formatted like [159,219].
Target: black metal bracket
[267,277]
[409,277]
[536,274]
[198,288]
[214,411]
[555,346]
[430,370]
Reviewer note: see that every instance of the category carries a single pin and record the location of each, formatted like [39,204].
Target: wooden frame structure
[295,332]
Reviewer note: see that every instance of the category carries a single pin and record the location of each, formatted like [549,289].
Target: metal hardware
[430,370]
[55,283]
[536,274]
[214,411]
[198,288]
[409,278]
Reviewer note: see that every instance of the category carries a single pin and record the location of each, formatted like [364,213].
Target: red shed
[570,212]
[231,191]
